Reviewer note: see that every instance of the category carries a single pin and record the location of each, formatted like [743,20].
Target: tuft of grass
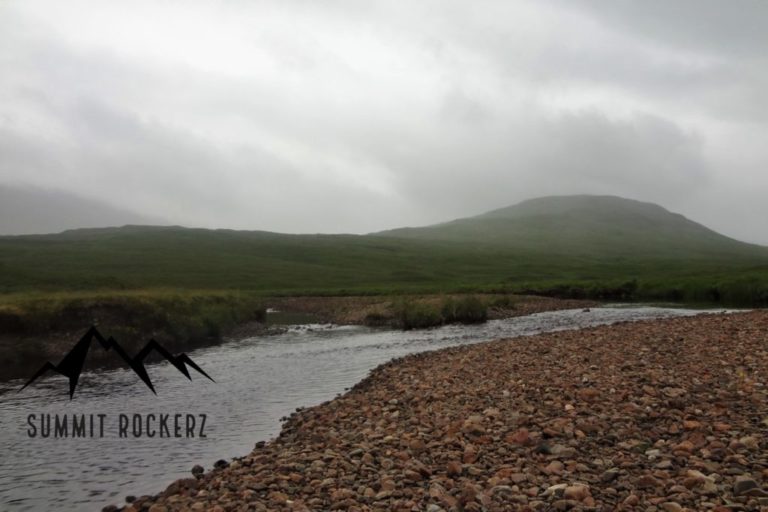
[505,301]
[413,314]
[464,310]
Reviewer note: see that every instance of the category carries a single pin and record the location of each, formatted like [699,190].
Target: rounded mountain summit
[587,225]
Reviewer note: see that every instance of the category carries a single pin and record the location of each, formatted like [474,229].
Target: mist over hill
[32,210]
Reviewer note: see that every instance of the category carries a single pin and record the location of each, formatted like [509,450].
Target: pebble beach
[665,415]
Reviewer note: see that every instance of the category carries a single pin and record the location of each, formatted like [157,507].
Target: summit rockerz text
[123,425]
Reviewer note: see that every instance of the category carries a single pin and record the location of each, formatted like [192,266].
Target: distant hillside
[572,245]
[587,225]
[28,210]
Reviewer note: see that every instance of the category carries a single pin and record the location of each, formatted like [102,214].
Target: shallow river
[257,381]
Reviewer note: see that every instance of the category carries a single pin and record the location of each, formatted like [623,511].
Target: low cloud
[349,118]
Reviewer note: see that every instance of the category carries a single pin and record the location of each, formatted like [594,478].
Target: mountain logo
[71,366]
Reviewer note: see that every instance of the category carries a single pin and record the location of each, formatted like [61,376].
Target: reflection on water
[258,381]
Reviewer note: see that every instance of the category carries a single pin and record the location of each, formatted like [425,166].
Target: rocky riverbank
[664,415]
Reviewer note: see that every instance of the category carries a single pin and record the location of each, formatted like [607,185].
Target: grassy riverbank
[181,314]
[39,326]
[733,289]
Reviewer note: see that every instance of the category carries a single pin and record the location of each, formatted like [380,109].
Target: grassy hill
[599,226]
[577,245]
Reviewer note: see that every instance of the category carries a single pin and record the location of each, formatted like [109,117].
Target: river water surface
[257,381]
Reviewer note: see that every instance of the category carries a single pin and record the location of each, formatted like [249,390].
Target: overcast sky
[356,116]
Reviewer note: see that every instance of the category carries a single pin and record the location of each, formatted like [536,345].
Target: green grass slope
[600,226]
[572,246]
[149,257]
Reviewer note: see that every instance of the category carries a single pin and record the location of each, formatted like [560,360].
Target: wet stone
[633,416]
